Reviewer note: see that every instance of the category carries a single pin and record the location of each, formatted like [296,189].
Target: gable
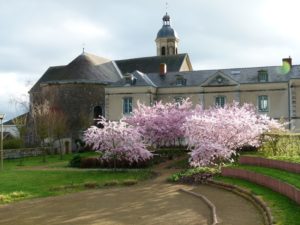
[186,64]
[219,79]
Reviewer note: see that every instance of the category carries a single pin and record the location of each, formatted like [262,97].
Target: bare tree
[58,128]
[40,114]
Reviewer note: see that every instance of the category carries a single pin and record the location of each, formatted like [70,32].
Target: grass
[180,164]
[284,210]
[31,181]
[288,177]
[51,161]
[295,159]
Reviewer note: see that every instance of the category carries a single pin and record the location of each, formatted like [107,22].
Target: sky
[216,34]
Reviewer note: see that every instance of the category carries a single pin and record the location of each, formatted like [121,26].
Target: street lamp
[1,145]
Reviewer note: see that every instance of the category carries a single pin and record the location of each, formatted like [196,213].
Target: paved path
[152,202]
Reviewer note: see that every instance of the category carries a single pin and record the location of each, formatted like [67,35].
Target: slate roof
[11,122]
[238,75]
[141,80]
[85,68]
[151,64]
[167,32]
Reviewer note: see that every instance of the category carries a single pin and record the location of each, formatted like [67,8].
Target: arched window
[97,112]
[163,51]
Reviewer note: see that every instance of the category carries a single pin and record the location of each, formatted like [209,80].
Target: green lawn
[51,161]
[288,177]
[38,179]
[284,210]
[295,159]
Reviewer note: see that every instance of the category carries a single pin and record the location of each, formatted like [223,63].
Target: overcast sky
[36,34]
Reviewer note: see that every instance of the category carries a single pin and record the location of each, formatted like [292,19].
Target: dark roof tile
[151,64]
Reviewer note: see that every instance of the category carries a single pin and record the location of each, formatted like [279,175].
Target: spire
[167,38]
[83,46]
[166,18]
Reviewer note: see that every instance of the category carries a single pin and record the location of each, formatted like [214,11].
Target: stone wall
[75,100]
[257,161]
[20,153]
[274,184]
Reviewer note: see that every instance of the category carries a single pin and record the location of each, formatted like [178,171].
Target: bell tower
[167,39]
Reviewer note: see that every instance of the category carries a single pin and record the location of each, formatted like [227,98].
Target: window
[180,82]
[220,101]
[129,79]
[263,76]
[163,51]
[263,103]
[127,105]
[97,112]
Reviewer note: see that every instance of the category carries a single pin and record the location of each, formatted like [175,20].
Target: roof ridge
[237,68]
[147,57]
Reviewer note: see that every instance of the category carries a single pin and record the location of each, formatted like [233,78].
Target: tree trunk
[60,147]
[115,163]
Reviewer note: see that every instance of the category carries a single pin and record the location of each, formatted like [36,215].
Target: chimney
[163,69]
[287,60]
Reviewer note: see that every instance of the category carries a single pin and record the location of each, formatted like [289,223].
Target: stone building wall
[76,101]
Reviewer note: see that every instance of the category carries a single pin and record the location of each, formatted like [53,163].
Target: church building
[91,86]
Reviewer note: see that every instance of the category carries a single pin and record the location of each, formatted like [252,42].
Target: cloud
[217,34]
[12,87]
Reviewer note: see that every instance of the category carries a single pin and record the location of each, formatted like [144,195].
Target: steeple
[167,38]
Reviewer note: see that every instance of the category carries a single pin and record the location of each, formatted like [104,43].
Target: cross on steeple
[83,46]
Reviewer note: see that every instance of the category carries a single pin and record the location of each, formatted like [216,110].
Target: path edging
[259,203]
[207,201]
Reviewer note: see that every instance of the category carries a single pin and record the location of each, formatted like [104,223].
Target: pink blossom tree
[117,141]
[215,134]
[161,124]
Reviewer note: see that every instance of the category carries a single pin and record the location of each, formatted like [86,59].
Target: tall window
[263,76]
[97,112]
[163,51]
[127,105]
[263,103]
[220,101]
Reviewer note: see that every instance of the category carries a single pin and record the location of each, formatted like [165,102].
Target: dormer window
[130,79]
[180,81]
[262,76]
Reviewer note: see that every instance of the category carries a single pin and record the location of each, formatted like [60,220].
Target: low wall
[20,153]
[277,164]
[274,184]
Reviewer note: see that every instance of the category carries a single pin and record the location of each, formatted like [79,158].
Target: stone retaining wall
[274,184]
[20,153]
[258,161]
